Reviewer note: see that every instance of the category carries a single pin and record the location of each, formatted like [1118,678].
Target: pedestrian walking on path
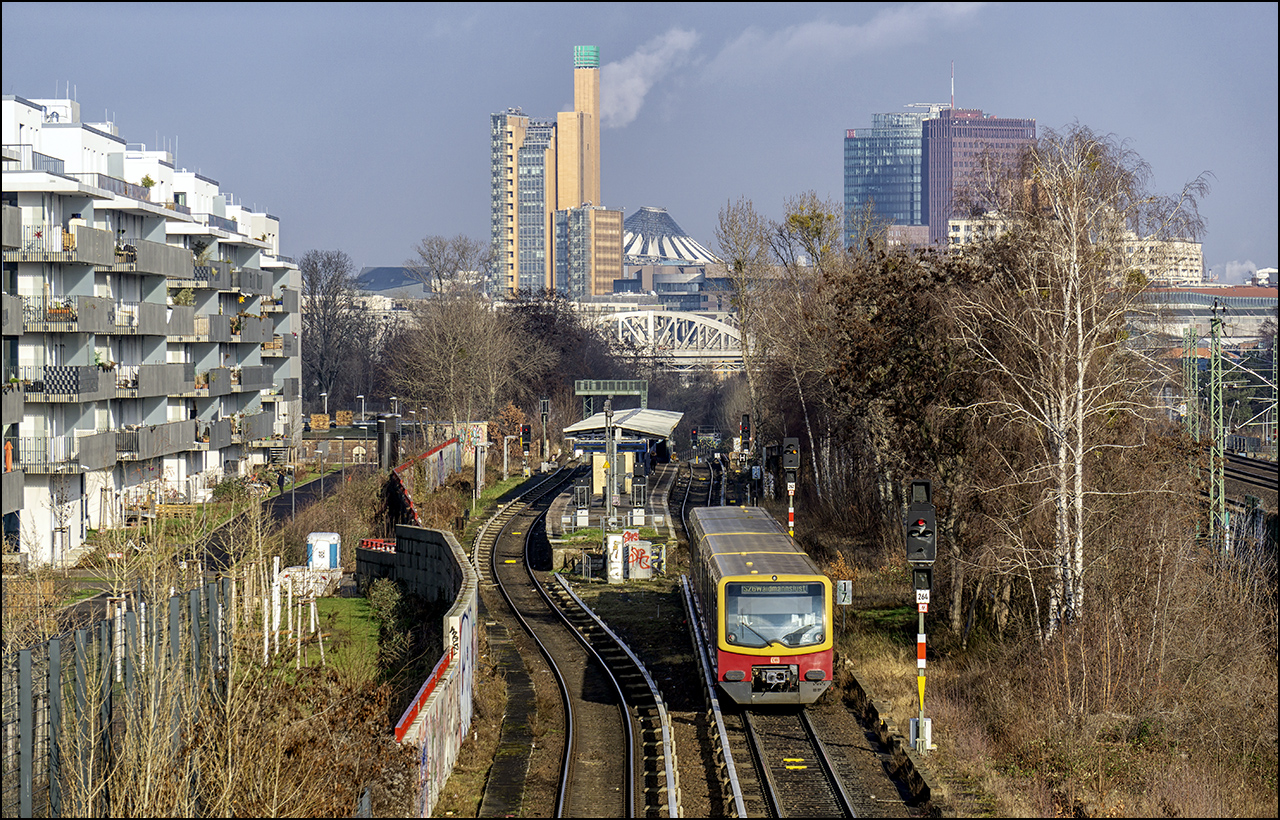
[280,481]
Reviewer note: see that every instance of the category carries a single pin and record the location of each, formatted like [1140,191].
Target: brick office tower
[952,146]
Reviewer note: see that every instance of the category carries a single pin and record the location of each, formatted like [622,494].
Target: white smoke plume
[624,84]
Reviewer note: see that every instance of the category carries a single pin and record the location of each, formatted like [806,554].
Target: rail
[671,766]
[693,613]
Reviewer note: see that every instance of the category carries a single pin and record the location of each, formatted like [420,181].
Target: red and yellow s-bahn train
[767,607]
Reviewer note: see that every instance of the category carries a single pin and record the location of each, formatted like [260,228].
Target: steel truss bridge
[681,342]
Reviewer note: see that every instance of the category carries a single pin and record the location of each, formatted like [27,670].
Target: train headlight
[815,674]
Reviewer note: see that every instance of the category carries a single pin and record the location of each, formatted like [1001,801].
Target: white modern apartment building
[150,331]
[1164,262]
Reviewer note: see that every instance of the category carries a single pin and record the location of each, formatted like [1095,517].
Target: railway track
[618,759]
[656,767]
[798,775]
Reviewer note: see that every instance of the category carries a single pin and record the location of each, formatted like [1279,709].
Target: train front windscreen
[789,615]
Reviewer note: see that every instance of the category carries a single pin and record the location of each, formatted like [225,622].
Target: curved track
[597,762]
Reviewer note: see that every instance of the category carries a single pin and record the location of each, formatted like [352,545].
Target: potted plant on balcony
[102,364]
[60,310]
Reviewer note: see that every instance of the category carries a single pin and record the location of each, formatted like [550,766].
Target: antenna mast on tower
[953,84]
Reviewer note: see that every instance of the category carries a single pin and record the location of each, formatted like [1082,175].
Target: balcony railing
[115,186]
[51,242]
[216,275]
[64,382]
[179,207]
[62,454]
[215,221]
[153,441]
[134,255]
[30,159]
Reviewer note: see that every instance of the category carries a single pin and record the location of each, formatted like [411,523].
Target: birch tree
[742,236]
[1051,329]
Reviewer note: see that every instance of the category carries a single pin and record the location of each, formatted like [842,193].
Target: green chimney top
[586,56]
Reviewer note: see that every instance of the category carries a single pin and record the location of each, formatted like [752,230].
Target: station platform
[660,482]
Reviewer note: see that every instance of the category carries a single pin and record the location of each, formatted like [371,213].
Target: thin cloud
[625,83]
[756,50]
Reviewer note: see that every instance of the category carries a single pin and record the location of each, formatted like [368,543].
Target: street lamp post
[426,420]
[361,398]
[325,396]
[342,453]
[414,413]
[395,406]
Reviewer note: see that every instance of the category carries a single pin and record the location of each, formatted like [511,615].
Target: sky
[365,127]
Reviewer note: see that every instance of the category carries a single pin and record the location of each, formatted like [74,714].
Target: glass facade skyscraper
[882,164]
[531,208]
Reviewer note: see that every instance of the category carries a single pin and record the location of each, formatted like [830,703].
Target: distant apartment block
[151,331]
[1162,263]
[545,196]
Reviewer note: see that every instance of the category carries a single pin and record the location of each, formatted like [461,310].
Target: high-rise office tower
[882,165]
[540,170]
[952,147]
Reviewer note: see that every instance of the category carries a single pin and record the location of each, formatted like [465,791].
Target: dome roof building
[651,237]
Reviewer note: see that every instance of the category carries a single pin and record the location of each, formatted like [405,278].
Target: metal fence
[70,702]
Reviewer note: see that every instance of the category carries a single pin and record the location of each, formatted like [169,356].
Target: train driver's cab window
[774,614]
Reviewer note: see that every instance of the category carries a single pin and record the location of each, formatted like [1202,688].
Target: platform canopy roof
[647,423]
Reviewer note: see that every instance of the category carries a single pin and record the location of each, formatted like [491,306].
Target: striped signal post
[919,532]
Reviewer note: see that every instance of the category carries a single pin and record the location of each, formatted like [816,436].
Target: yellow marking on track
[793,760]
[795,768]
[510,561]
[515,532]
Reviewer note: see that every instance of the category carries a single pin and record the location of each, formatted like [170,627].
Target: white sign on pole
[844,592]
[922,596]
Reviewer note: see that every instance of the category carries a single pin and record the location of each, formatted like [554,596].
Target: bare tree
[1051,330]
[334,325]
[742,235]
[439,261]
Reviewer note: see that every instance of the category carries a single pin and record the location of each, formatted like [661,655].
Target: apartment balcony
[42,242]
[12,315]
[213,435]
[137,381]
[141,319]
[257,427]
[116,186]
[251,329]
[68,314]
[220,382]
[281,346]
[11,488]
[256,377]
[215,275]
[141,256]
[221,222]
[154,441]
[286,302]
[13,402]
[63,454]
[292,388]
[29,159]
[182,321]
[12,232]
[252,280]
[65,383]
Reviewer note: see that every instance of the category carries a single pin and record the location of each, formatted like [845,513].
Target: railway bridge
[681,341]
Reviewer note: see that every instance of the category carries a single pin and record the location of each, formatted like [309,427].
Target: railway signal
[526,437]
[919,532]
[791,464]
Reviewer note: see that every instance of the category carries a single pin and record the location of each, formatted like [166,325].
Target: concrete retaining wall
[432,564]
